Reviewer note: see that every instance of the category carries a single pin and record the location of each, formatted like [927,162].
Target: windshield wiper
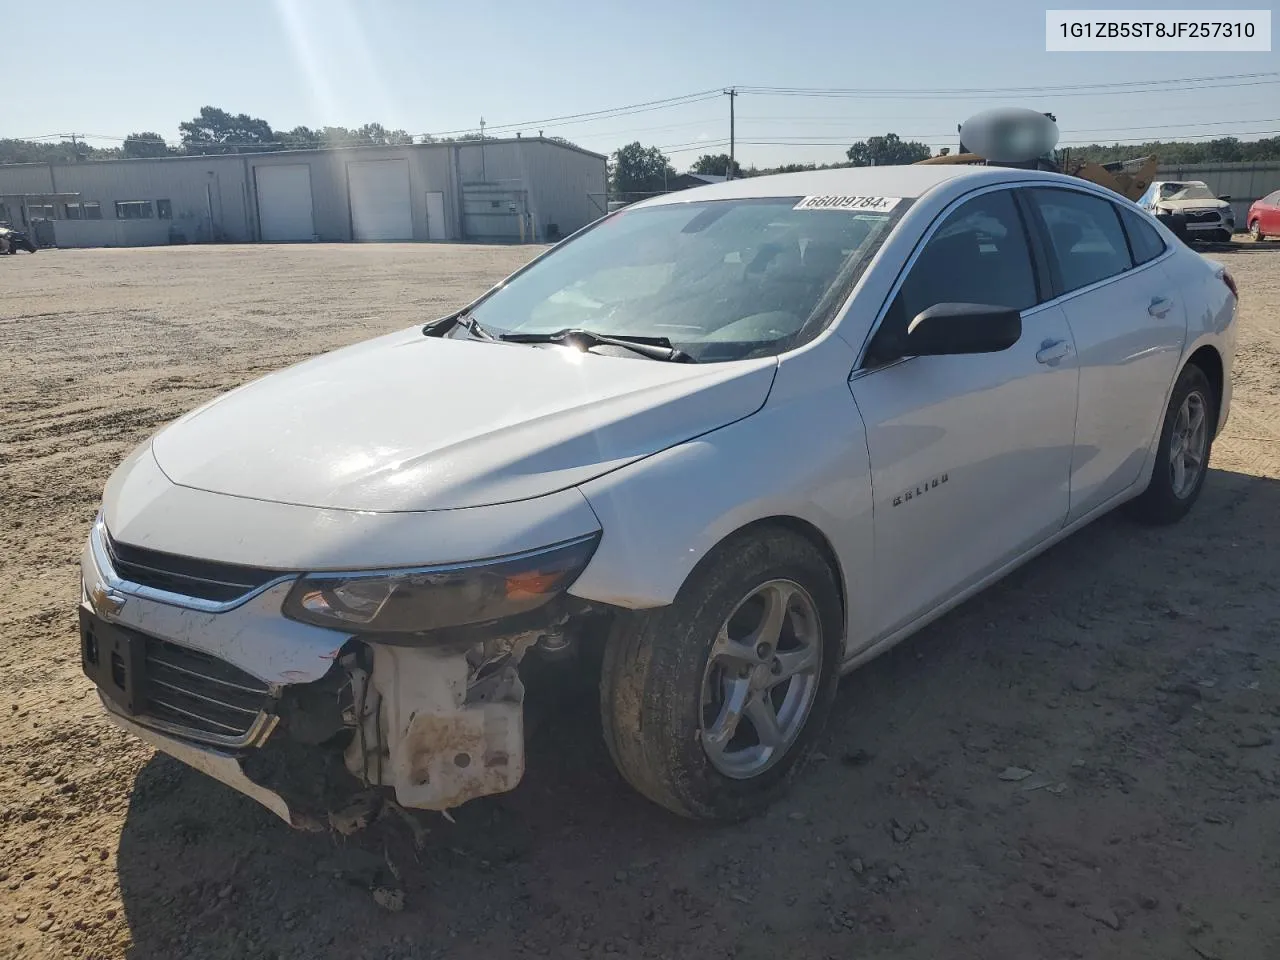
[655,348]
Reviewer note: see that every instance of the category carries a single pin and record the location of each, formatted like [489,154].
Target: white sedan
[727,444]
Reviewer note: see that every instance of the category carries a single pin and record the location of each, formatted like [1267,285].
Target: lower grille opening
[201,694]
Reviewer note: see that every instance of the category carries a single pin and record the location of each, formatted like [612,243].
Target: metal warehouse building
[503,191]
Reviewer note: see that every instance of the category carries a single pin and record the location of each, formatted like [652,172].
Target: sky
[110,69]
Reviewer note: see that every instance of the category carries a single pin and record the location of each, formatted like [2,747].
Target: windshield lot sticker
[876,204]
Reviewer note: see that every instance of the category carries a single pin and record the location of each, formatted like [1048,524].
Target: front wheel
[1182,457]
[711,704]
[1255,231]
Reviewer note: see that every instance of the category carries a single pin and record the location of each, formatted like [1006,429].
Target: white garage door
[380,199]
[284,202]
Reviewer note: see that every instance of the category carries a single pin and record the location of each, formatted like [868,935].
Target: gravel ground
[1078,763]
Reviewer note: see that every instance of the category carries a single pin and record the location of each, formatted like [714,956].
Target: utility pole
[483,176]
[75,150]
[732,94]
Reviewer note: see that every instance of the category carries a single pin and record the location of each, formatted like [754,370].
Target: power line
[845,142]
[568,119]
[1170,85]
[951,134]
[611,112]
[1039,95]
[911,92]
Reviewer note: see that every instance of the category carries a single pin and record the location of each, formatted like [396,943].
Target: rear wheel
[711,704]
[1182,457]
[1255,231]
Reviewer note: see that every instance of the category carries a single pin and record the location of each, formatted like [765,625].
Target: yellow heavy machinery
[1129,178]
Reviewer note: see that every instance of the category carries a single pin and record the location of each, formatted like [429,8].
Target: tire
[1167,499]
[1255,231]
[1223,236]
[667,677]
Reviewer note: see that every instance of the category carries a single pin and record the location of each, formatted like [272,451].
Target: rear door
[1128,322]
[970,455]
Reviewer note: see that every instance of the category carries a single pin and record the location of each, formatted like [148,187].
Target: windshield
[719,279]
[1185,191]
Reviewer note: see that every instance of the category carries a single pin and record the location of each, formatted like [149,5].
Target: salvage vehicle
[738,440]
[11,240]
[1206,216]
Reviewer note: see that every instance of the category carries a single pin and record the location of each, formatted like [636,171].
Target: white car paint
[409,451]
[408,423]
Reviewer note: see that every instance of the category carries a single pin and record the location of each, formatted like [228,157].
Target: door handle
[1051,351]
[1160,306]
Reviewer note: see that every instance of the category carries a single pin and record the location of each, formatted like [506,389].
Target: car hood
[407,422]
[1183,206]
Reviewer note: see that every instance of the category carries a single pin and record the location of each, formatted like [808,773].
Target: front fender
[803,455]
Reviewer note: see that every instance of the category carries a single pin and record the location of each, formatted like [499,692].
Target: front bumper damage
[435,727]
[336,716]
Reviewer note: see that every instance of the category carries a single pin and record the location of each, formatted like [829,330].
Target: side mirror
[1225,196]
[959,328]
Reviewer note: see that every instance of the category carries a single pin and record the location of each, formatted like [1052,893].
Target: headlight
[429,598]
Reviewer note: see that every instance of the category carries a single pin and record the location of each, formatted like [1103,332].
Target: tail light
[1230,281]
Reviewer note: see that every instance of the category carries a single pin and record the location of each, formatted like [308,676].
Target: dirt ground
[1135,673]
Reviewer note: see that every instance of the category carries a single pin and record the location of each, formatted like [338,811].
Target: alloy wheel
[761,679]
[1189,445]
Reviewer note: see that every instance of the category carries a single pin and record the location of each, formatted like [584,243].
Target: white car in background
[1207,216]
[738,440]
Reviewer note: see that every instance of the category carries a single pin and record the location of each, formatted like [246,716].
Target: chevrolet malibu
[736,441]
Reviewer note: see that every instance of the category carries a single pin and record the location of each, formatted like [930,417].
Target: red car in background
[1264,217]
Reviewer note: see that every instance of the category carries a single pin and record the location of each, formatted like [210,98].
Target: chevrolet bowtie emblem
[105,602]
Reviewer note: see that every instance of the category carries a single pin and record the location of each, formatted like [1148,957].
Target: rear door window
[1085,238]
[1145,242]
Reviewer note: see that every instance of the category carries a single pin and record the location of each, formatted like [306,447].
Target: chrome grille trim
[114,580]
[204,697]
[198,676]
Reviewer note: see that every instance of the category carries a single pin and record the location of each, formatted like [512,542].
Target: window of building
[92,210]
[41,211]
[1143,238]
[133,210]
[72,211]
[1085,236]
[164,209]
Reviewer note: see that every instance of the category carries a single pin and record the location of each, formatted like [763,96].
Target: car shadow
[1236,246]
[574,859]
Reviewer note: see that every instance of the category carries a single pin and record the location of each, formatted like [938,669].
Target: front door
[970,455]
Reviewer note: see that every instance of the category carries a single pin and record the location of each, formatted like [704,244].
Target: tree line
[635,169]
[215,131]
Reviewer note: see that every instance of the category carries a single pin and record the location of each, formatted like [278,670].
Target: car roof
[908,180]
